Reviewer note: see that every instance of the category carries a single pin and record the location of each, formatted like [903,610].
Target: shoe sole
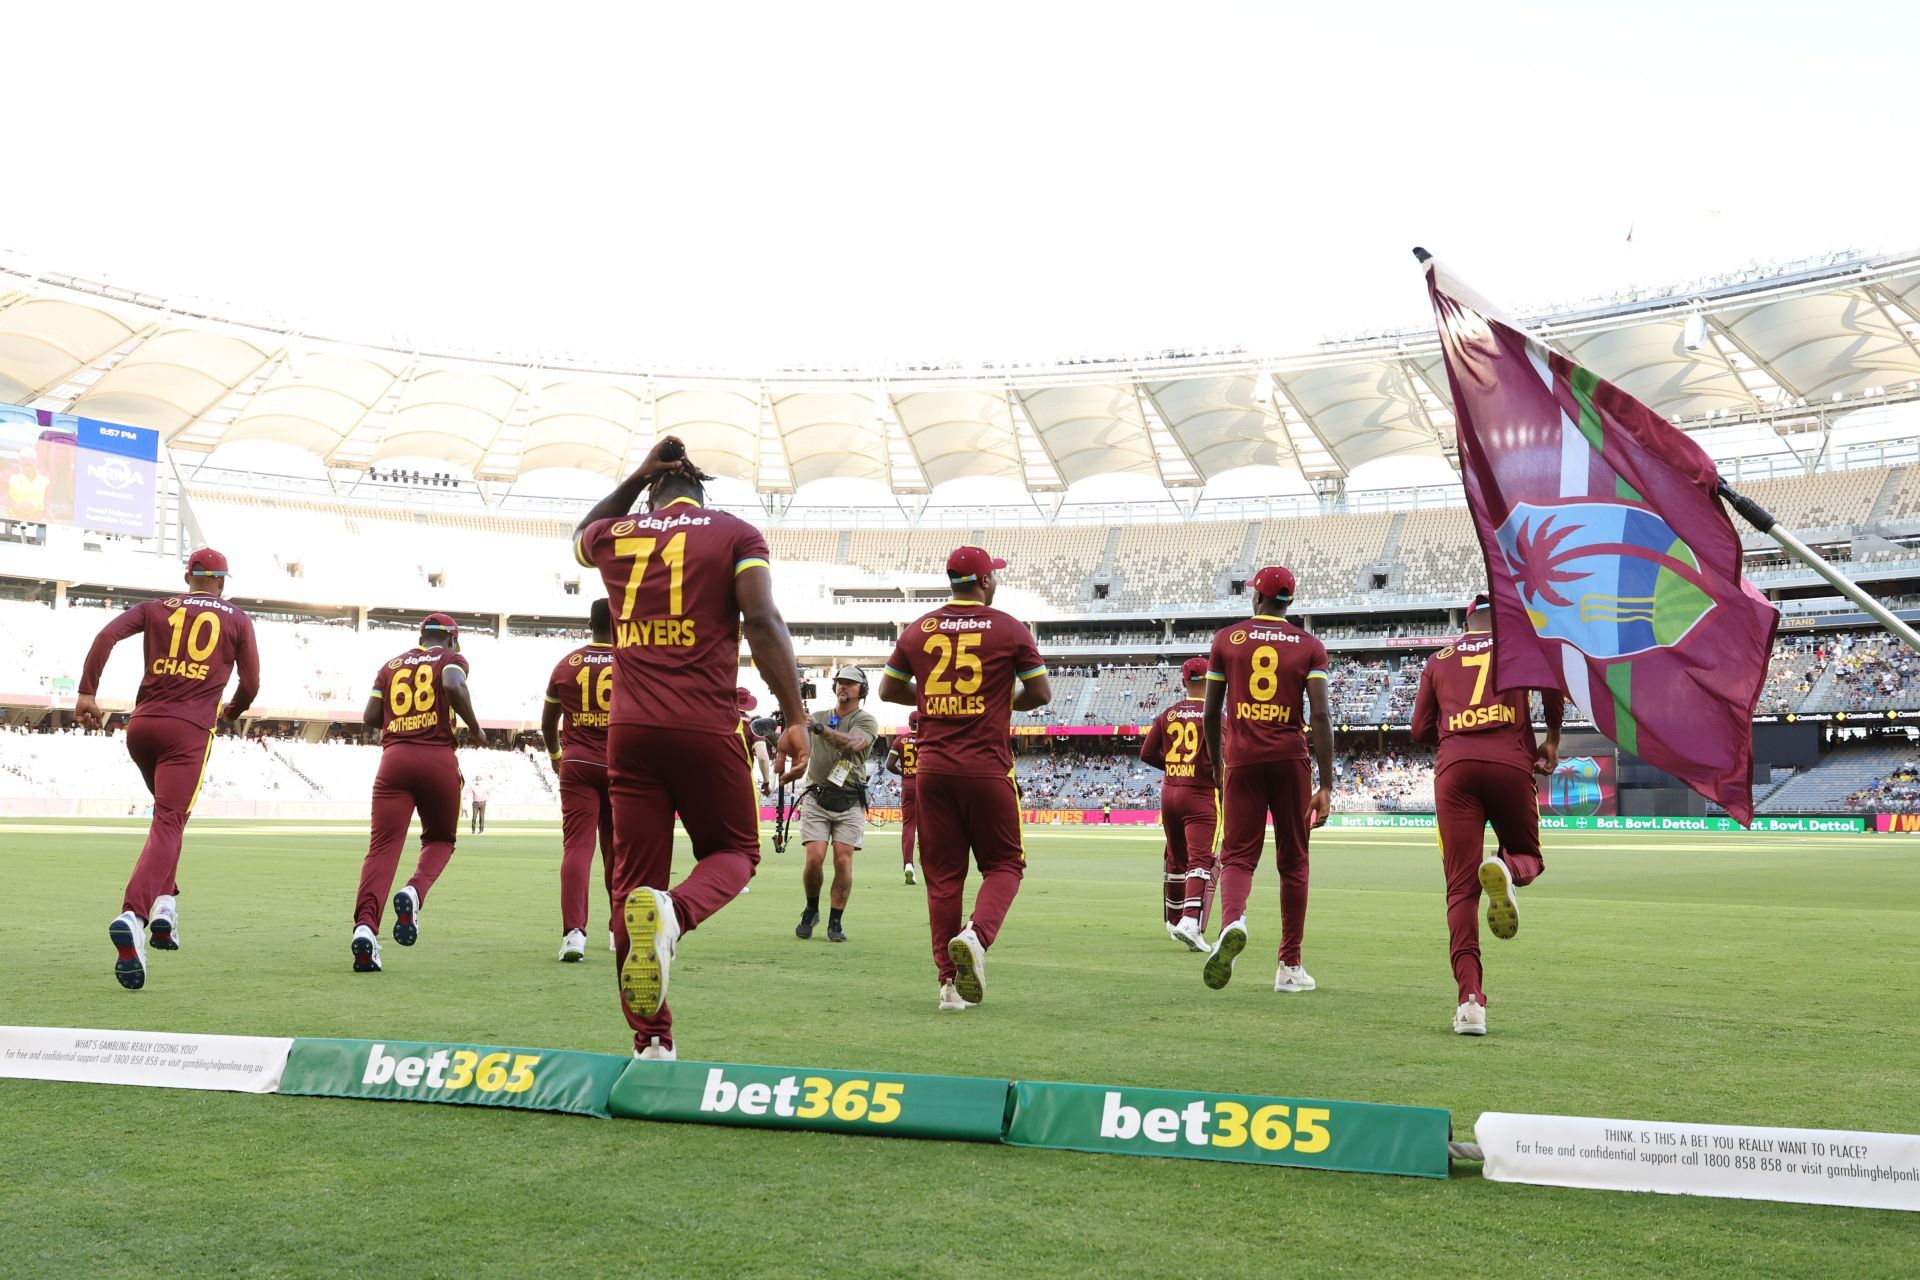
[363,961]
[405,931]
[160,936]
[1470,1031]
[643,983]
[572,957]
[1219,970]
[967,978]
[1293,988]
[1503,913]
[910,879]
[1199,947]
[127,966]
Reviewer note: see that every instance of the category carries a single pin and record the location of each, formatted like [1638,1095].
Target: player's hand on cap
[86,709]
[791,753]
[1320,807]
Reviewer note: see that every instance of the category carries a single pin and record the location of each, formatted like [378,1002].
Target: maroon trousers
[172,757]
[706,778]
[586,814]
[980,815]
[423,776]
[1249,793]
[1190,816]
[1468,794]
[909,818]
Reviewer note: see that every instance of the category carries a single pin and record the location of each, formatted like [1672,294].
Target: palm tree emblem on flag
[1611,579]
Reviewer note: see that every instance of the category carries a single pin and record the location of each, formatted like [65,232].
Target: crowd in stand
[1874,672]
[1898,792]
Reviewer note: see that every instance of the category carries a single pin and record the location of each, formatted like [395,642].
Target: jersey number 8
[1265,680]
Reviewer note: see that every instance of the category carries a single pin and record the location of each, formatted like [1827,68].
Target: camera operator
[833,808]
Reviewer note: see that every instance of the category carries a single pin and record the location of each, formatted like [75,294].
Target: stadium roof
[1781,344]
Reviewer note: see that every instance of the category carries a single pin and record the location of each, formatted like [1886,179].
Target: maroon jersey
[909,748]
[1175,745]
[1265,664]
[413,689]
[582,684]
[1458,708]
[192,644]
[676,621]
[964,659]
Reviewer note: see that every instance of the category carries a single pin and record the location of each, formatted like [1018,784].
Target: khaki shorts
[818,825]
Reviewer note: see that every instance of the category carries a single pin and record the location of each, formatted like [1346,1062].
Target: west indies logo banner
[1580,787]
[56,468]
[1615,571]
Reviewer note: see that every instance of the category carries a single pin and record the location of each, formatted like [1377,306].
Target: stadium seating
[1845,772]
[1158,566]
[1828,500]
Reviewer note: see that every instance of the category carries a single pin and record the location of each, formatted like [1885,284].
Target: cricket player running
[580,690]
[413,702]
[1484,774]
[1261,676]
[685,582]
[190,644]
[904,759]
[960,665]
[1189,807]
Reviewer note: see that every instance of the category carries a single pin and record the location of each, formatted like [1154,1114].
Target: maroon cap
[1193,669]
[967,564]
[1274,581]
[207,560]
[1481,601]
[440,622]
[743,698]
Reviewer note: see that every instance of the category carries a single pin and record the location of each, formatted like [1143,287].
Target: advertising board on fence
[1598,822]
[468,1075]
[881,1104]
[1908,823]
[153,1059]
[1739,1162]
[1356,1137]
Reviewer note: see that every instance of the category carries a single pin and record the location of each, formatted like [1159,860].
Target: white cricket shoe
[970,963]
[611,944]
[1291,977]
[910,875]
[652,931]
[1470,1019]
[1226,949]
[165,925]
[1188,931]
[406,916]
[1503,911]
[130,947]
[573,947]
[1173,931]
[656,1052]
[950,1001]
[366,950]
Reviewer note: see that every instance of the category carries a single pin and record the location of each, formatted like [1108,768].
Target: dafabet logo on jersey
[622,528]
[1238,637]
[573,659]
[930,624]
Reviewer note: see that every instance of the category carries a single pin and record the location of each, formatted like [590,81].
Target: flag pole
[1762,519]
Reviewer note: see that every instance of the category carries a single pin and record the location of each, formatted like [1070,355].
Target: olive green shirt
[827,756]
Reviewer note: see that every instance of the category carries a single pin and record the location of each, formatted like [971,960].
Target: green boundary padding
[876,1103]
[1354,1137]
[463,1074]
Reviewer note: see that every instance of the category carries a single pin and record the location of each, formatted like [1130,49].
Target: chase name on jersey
[180,667]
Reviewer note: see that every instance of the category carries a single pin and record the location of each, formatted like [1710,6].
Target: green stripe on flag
[1583,381]
[1625,491]
[1626,730]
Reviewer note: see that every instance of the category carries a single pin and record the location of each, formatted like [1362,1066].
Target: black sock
[813,904]
[833,916]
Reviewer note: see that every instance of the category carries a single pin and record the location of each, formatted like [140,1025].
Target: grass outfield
[1749,979]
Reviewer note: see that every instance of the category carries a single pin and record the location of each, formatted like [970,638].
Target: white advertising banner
[156,1059]
[1804,1166]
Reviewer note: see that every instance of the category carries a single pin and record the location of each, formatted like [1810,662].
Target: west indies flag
[1614,570]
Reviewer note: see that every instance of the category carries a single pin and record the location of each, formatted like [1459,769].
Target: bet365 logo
[1219,1123]
[453,1070]
[805,1098]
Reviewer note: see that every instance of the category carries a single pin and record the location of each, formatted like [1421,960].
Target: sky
[763,186]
